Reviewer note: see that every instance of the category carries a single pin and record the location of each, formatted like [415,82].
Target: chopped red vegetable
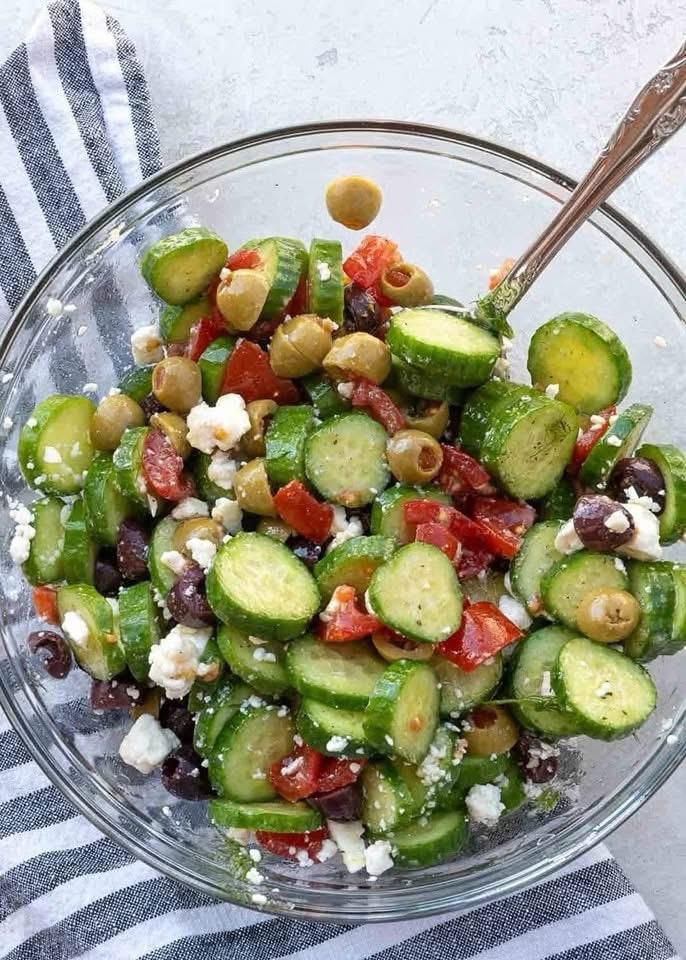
[377,294]
[365,264]
[512,515]
[297,775]
[298,302]
[370,396]
[244,260]
[248,373]
[461,474]
[299,509]
[470,533]
[163,468]
[204,332]
[588,439]
[288,845]
[438,536]
[45,603]
[337,772]
[483,632]
[473,562]
[344,620]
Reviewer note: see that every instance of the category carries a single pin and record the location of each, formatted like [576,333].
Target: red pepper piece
[344,620]
[244,260]
[370,396]
[297,775]
[204,332]
[308,517]
[461,474]
[470,533]
[365,264]
[509,514]
[248,373]
[337,772]
[163,468]
[588,439]
[45,604]
[483,632]
[287,845]
[438,536]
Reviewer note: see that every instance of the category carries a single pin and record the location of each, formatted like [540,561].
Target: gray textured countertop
[545,76]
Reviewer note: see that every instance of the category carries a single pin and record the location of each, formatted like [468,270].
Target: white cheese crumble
[514,611]
[343,529]
[203,551]
[323,270]
[645,540]
[619,565]
[567,541]
[552,390]
[24,532]
[175,659]
[377,858]
[331,609]
[222,469]
[220,426]
[345,389]
[348,839]
[54,307]
[613,441]
[89,388]
[336,744]
[430,771]
[76,628]
[328,849]
[254,876]
[7,423]
[484,804]
[289,769]
[645,501]
[263,656]
[229,514]
[617,521]
[254,855]
[190,508]
[147,345]
[174,560]
[147,744]
[546,689]
[259,899]
[660,342]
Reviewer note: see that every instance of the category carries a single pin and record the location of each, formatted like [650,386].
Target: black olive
[175,716]
[361,312]
[341,804]
[305,550]
[527,753]
[184,776]
[118,694]
[107,578]
[602,523]
[637,476]
[55,649]
[132,550]
[186,599]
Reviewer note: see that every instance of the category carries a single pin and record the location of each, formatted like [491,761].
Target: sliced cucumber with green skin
[511,783]
[608,693]
[106,506]
[239,761]
[345,459]
[247,660]
[284,261]
[207,489]
[341,675]
[203,689]
[217,710]
[534,657]
[474,770]
[318,724]
[79,549]
[420,382]
[417,594]
[653,586]
[45,562]
[325,280]
[386,800]
[176,322]
[678,641]
[179,267]
[523,438]
[460,691]
[671,463]
[100,654]
[450,347]
[429,841]
[584,357]
[55,448]
[559,503]
[618,442]
[278,816]
[569,580]
[388,519]
[127,462]
[139,627]
[285,444]
[352,562]
[212,364]
[162,541]
[260,586]
[431,788]
[324,397]
[401,717]
[137,382]
[536,556]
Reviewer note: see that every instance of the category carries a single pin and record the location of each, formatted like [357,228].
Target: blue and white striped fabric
[76,129]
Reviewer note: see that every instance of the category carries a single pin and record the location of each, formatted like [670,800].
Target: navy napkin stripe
[17,272]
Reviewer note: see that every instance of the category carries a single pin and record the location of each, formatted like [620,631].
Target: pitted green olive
[299,345]
[608,616]
[358,355]
[252,442]
[174,427]
[407,285]
[251,486]
[353,201]
[429,416]
[414,456]
[114,415]
[177,383]
[241,297]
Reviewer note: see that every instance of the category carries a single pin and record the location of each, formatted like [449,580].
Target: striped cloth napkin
[76,129]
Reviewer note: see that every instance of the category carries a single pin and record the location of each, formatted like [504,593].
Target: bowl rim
[625,802]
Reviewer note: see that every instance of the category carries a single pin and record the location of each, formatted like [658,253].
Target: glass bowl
[458,206]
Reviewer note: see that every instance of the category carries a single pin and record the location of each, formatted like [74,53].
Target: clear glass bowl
[457,206]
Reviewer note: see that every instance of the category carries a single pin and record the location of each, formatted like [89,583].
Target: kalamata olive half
[361,312]
[305,550]
[186,599]
[602,523]
[184,776]
[117,694]
[175,716]
[537,760]
[637,477]
[107,578]
[341,804]
[132,550]
[55,650]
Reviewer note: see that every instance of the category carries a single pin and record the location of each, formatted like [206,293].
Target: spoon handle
[657,112]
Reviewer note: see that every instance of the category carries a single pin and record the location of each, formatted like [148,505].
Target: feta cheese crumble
[174,560]
[348,839]
[345,389]
[263,656]
[660,342]
[484,804]
[24,532]
[147,744]
[377,858]
[220,426]
[222,469]
[613,441]
[645,540]
[336,744]
[343,529]
[552,390]
[203,551]
[567,541]
[76,628]
[175,659]
[514,611]
[229,514]
[147,345]
[190,508]
[323,270]
[617,521]
[254,876]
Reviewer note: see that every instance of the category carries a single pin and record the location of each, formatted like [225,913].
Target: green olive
[429,416]
[415,291]
[174,427]
[177,383]
[200,528]
[492,731]
[113,416]
[252,442]
[276,529]
[299,345]
[406,650]
[358,355]
[251,486]
[414,456]
[240,298]
[353,201]
[608,615]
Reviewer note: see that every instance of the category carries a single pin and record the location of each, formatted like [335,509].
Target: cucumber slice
[431,782]
[584,357]
[345,459]
[569,580]
[284,261]
[536,556]
[609,694]
[534,658]
[179,267]
[212,364]
[453,349]
[419,382]
[417,594]
[490,587]
[474,770]
[653,586]
[162,541]
[100,654]
[460,691]
[252,740]
[388,519]
[285,444]
[402,714]
[386,800]
[262,665]
[277,816]
[618,442]
[672,465]
[139,626]
[324,397]
[45,563]
[352,562]
[106,507]
[429,841]
[678,641]
[325,280]
[207,489]
[203,689]
[127,462]
[258,585]
[511,783]
[137,382]
[55,447]
[218,709]
[79,549]
[318,724]
[559,503]
[176,322]
[522,438]
[341,675]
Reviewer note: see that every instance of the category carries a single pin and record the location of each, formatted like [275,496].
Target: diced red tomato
[337,772]
[483,632]
[470,533]
[343,619]
[297,775]
[472,562]
[244,260]
[495,276]
[163,468]
[377,294]
[248,373]
[204,332]
[461,474]
[370,396]
[438,536]
[287,845]
[45,604]
[365,265]
[511,514]
[588,439]
[310,518]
